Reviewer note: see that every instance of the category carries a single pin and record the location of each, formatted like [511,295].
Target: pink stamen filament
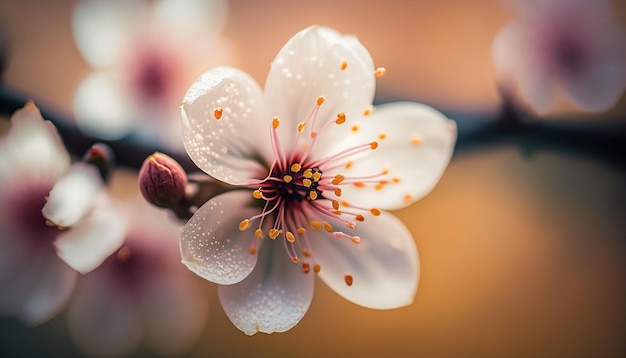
[341,155]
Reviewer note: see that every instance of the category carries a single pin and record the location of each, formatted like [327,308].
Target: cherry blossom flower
[567,47]
[39,256]
[314,163]
[140,294]
[144,59]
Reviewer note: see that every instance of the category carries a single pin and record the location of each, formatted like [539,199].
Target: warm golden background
[520,257]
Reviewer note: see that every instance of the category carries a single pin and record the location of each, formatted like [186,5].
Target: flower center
[153,76]
[569,54]
[298,195]
[25,217]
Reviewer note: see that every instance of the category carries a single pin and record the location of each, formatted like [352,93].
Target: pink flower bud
[101,156]
[162,180]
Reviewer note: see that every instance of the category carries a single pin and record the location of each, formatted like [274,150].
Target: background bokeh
[521,255]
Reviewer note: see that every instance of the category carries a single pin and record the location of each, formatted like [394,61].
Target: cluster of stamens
[297,196]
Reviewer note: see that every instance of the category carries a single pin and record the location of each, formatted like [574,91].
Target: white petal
[88,243]
[191,17]
[384,266]
[598,89]
[176,311]
[416,150]
[226,148]
[20,265]
[32,148]
[600,85]
[73,195]
[35,284]
[104,320]
[51,289]
[273,298]
[518,61]
[308,66]
[211,244]
[103,29]
[104,106]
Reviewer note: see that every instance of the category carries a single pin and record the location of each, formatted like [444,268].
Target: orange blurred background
[520,256]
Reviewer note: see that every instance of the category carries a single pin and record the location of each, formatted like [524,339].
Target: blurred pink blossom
[571,48]
[140,294]
[144,53]
[54,219]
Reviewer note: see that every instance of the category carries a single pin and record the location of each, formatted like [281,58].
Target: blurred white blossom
[144,53]
[140,294]
[39,256]
[316,163]
[571,48]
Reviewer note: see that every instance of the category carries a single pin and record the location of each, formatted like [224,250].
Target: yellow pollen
[344,64]
[317,268]
[408,198]
[295,260]
[217,113]
[256,194]
[380,71]
[360,218]
[274,233]
[313,134]
[337,192]
[379,186]
[244,224]
[348,278]
[385,172]
[290,237]
[275,122]
[123,254]
[313,195]
[335,204]
[416,140]
[317,176]
[341,118]
[308,173]
[355,128]
[368,110]
[295,167]
[305,267]
[396,180]
[301,126]
[320,100]
[345,203]
[348,165]
[356,239]
[301,231]
[328,227]
[307,183]
[306,253]
[258,233]
[316,225]
[252,250]
[359,185]
[287,178]
[382,136]
[374,145]
[375,211]
[338,179]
